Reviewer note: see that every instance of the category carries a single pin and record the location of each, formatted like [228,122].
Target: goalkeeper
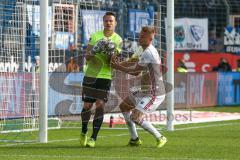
[98,74]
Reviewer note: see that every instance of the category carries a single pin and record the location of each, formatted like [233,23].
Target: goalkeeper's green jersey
[99,65]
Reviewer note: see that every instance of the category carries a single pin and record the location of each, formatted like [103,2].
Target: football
[109,48]
[104,46]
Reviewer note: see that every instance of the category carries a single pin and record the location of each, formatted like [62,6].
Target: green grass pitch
[204,141]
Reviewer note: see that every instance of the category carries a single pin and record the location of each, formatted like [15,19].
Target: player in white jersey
[151,93]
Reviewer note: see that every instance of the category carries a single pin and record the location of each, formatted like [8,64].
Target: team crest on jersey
[197,32]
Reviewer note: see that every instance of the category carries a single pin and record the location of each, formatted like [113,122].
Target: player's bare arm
[130,70]
[128,63]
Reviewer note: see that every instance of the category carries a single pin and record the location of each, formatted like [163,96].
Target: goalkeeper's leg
[85,115]
[98,118]
[97,122]
[101,92]
[88,99]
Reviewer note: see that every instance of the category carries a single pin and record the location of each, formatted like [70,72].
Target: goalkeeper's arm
[92,49]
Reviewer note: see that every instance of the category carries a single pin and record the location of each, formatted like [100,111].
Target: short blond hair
[149,30]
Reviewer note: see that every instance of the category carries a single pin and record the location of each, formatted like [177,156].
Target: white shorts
[146,102]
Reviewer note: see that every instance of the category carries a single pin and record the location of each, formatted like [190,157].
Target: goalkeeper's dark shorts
[95,88]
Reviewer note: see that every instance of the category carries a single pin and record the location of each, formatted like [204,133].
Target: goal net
[70,24]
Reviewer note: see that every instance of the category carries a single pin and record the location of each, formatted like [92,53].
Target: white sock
[150,128]
[131,125]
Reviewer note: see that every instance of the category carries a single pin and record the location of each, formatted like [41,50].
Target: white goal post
[170,63]
[43,116]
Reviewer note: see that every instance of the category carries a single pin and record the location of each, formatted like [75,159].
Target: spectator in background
[72,66]
[238,65]
[37,64]
[223,66]
[181,67]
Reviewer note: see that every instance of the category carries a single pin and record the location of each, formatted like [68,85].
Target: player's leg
[126,106]
[85,116]
[148,103]
[137,117]
[98,118]
[101,94]
[97,122]
[87,97]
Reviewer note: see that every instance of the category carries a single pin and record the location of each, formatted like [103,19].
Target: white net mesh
[18,97]
[70,24]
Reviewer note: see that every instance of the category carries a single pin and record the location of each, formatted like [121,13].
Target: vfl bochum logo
[197,32]
[179,33]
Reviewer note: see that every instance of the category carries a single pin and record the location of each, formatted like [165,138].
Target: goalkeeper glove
[97,48]
[104,46]
[109,48]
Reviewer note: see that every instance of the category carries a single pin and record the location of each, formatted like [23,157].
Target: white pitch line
[113,135]
[179,129]
[65,140]
[118,135]
[97,157]
[206,126]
